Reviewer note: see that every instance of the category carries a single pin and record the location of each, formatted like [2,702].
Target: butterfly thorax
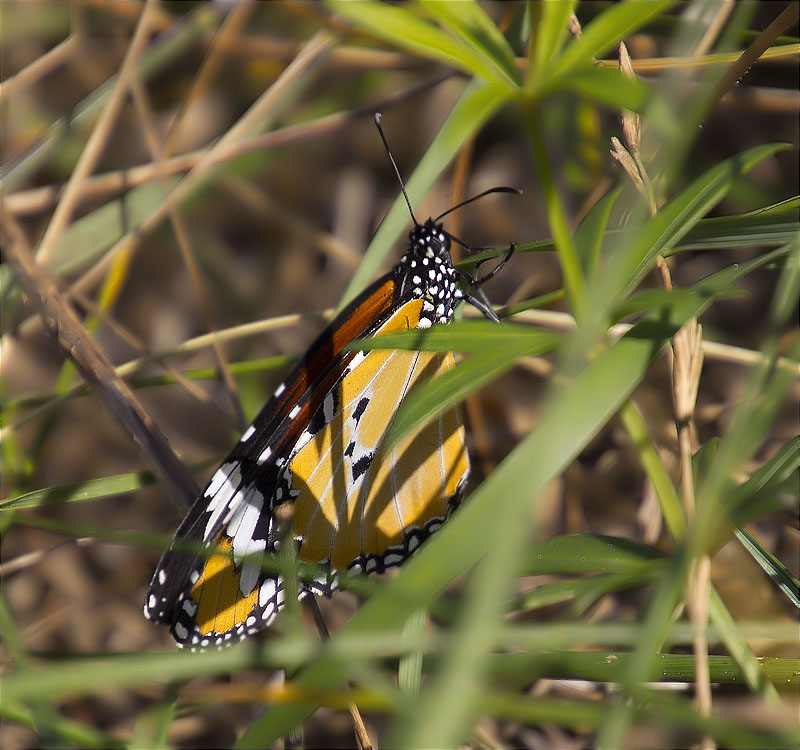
[426,272]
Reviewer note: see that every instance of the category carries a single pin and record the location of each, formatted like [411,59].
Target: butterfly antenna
[501,189]
[394,164]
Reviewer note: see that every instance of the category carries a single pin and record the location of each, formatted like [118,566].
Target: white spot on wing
[248,433]
[265,454]
[243,524]
[181,631]
[266,592]
[226,496]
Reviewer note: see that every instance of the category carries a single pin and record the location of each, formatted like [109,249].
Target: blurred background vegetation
[563,621]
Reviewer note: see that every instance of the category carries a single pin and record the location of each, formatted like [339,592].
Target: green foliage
[484,652]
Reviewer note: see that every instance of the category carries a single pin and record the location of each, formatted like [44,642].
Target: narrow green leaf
[460,336]
[401,28]
[628,264]
[649,299]
[409,670]
[604,32]
[672,222]
[466,19]
[587,553]
[430,398]
[54,730]
[776,224]
[86,490]
[585,591]
[772,566]
[736,643]
[606,86]
[758,493]
[152,725]
[652,707]
[551,31]
[444,715]
[521,669]
[592,230]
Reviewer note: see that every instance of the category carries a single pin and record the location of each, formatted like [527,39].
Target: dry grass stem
[758,49]
[221,45]
[622,156]
[632,131]
[38,69]
[106,185]
[266,207]
[182,238]
[687,365]
[187,384]
[97,140]
[574,25]
[255,117]
[714,28]
[344,56]
[551,319]
[191,345]
[63,325]
[659,64]
[30,559]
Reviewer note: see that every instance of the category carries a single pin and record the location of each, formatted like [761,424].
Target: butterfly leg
[475,280]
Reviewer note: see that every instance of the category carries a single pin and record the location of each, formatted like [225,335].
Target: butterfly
[317,446]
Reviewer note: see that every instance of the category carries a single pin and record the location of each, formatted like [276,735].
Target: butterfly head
[430,240]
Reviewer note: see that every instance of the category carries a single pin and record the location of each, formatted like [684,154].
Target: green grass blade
[587,553]
[772,566]
[605,32]
[771,225]
[466,336]
[672,222]
[736,643]
[759,493]
[605,86]
[443,716]
[592,230]
[551,32]
[428,399]
[409,671]
[657,236]
[79,491]
[467,20]
[396,25]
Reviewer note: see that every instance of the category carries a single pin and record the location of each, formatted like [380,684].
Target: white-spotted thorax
[426,272]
